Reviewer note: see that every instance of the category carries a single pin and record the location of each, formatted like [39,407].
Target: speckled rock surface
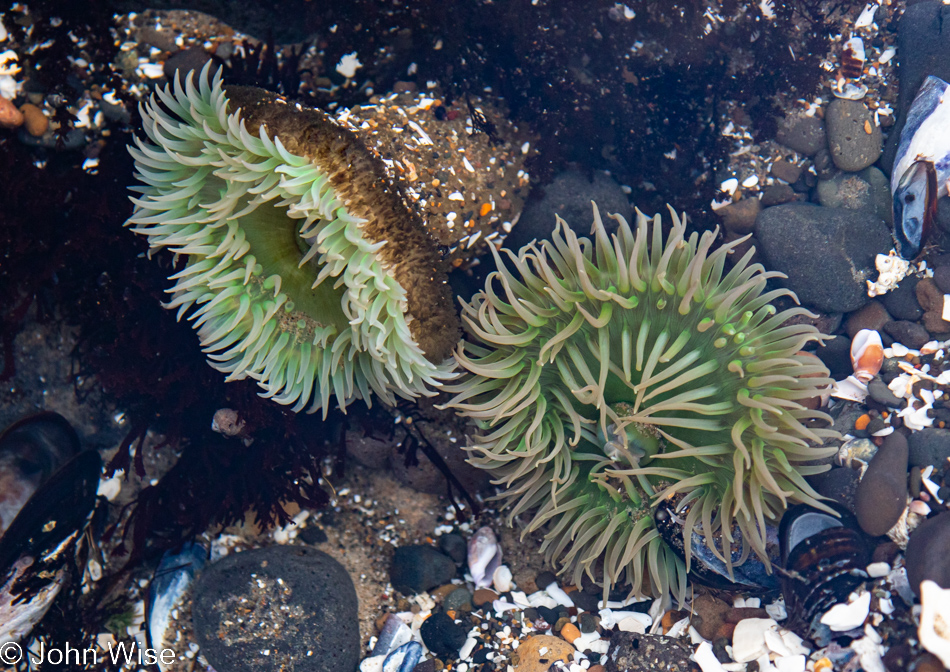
[827,253]
[297,604]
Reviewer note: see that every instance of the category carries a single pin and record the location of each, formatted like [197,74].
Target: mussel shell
[31,450]
[57,511]
[705,567]
[824,558]
[175,573]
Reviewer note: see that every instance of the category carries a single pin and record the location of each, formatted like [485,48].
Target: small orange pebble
[486,208]
[35,122]
[570,632]
[823,664]
[862,422]
[867,127]
[941,424]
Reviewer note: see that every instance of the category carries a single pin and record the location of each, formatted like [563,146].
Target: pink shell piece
[867,354]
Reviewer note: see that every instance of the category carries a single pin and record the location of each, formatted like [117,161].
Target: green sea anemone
[305,267]
[608,376]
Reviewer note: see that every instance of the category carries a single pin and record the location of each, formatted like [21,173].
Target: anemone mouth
[610,374]
[305,268]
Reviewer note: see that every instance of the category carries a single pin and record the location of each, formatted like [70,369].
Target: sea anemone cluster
[613,374]
[304,267]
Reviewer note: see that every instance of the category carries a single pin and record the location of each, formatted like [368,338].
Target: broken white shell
[484,556]
[867,354]
[934,631]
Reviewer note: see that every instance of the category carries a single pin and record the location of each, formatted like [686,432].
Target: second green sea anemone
[305,267]
[612,374]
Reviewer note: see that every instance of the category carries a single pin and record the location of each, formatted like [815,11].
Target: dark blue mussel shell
[824,558]
[705,567]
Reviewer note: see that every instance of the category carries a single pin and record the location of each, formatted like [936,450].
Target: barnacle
[306,269]
[612,374]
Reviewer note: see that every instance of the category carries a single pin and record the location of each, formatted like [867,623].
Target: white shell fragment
[748,639]
[850,389]
[501,579]
[851,91]
[348,65]
[866,17]
[484,556]
[934,630]
[844,617]
[891,270]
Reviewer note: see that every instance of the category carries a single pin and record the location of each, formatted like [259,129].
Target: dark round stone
[459,598]
[587,623]
[907,333]
[825,252]
[929,446]
[454,546]
[295,602]
[419,568]
[586,599]
[312,535]
[928,552]
[836,355]
[902,302]
[442,635]
[882,394]
[548,614]
[942,278]
[544,579]
[882,494]
[838,483]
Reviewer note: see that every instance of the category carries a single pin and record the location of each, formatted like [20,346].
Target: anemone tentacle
[611,373]
[292,276]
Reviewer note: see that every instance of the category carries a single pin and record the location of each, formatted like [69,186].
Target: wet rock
[929,446]
[882,394]
[776,194]
[419,568]
[786,170]
[483,596]
[872,316]
[902,302]
[712,615]
[586,599]
[806,135]
[10,116]
[935,325]
[907,333]
[827,253]
[839,484]
[569,196]
[184,61]
[854,139]
[454,546]
[442,635]
[633,652]
[296,603]
[929,295]
[587,622]
[34,121]
[459,598]
[531,658]
[739,217]
[867,191]
[836,355]
[942,279]
[928,553]
[882,494]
